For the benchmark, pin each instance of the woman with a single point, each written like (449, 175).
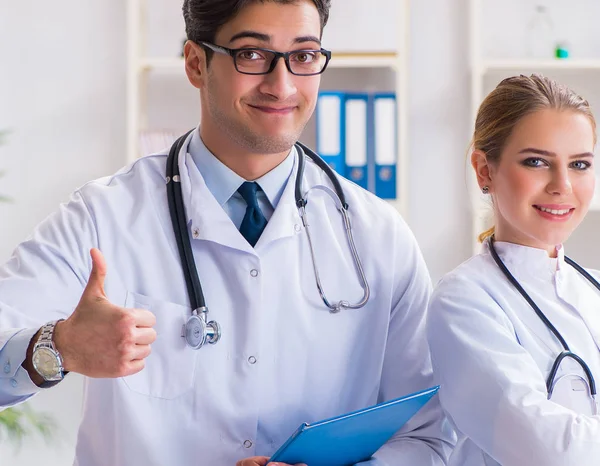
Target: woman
(499, 322)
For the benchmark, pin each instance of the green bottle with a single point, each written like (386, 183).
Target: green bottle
(561, 51)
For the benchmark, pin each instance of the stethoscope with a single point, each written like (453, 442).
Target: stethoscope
(566, 353)
(198, 331)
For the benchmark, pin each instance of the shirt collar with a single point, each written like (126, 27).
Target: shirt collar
(274, 182)
(220, 180)
(223, 182)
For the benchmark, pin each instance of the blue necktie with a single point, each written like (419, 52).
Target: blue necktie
(254, 221)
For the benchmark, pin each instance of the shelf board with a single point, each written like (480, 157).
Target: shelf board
(338, 60)
(363, 60)
(556, 64)
(167, 64)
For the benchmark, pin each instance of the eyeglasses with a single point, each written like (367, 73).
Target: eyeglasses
(263, 61)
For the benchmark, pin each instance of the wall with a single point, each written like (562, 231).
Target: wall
(62, 95)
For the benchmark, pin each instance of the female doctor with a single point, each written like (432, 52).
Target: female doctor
(514, 331)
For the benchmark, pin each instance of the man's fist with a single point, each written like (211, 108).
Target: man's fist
(101, 339)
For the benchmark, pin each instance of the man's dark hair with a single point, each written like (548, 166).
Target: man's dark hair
(203, 18)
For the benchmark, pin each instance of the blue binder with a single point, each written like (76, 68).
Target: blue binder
(357, 138)
(385, 144)
(330, 129)
(353, 437)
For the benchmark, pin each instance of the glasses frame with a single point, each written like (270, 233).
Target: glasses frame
(277, 55)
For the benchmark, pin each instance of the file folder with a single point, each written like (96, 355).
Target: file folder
(385, 141)
(330, 120)
(353, 437)
(356, 137)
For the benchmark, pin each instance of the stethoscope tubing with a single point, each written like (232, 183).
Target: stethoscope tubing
(566, 353)
(197, 333)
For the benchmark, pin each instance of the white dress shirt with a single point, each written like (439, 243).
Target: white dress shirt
(492, 355)
(222, 182)
(283, 357)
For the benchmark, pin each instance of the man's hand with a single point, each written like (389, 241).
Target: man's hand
(101, 339)
(262, 461)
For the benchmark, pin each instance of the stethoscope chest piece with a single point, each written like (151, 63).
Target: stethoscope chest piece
(197, 332)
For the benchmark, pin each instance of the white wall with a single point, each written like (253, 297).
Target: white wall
(439, 127)
(62, 92)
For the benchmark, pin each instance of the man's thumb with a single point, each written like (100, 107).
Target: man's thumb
(95, 286)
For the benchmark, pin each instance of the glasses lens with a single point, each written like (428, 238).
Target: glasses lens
(254, 61)
(307, 62)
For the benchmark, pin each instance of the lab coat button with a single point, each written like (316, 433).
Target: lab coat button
(7, 368)
(252, 360)
(196, 233)
(14, 383)
(247, 444)
(254, 273)
(297, 228)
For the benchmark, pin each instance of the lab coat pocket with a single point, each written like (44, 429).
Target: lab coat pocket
(572, 391)
(169, 370)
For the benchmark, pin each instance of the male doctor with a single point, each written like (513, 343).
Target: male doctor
(108, 264)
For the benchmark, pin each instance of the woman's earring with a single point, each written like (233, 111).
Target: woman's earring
(485, 190)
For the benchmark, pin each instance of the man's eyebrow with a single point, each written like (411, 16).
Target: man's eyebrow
(252, 35)
(267, 38)
(299, 40)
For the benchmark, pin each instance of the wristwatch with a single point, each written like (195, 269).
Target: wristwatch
(46, 360)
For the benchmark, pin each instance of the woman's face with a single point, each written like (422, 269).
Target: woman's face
(543, 184)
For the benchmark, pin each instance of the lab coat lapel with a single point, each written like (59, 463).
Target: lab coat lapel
(579, 293)
(533, 273)
(207, 220)
(285, 220)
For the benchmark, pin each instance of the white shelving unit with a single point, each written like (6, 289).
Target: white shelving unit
(140, 67)
(544, 65)
(482, 68)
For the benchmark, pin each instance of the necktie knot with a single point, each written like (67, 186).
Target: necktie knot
(248, 191)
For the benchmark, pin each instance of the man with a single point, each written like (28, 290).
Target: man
(282, 357)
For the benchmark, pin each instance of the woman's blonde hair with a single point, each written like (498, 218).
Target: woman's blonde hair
(513, 99)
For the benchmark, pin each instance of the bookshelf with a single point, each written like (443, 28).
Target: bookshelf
(581, 73)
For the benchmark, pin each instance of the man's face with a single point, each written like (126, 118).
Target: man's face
(263, 113)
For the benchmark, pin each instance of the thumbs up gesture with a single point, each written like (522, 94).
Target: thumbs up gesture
(101, 339)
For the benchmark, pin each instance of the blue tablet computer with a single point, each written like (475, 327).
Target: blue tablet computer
(353, 437)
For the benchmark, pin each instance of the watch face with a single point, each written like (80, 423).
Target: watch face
(46, 363)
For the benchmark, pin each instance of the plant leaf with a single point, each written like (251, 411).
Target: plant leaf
(3, 198)
(3, 134)
(19, 422)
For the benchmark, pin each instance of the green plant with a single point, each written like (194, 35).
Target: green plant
(20, 422)
(3, 198)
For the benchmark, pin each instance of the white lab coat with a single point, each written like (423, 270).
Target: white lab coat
(492, 355)
(283, 358)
